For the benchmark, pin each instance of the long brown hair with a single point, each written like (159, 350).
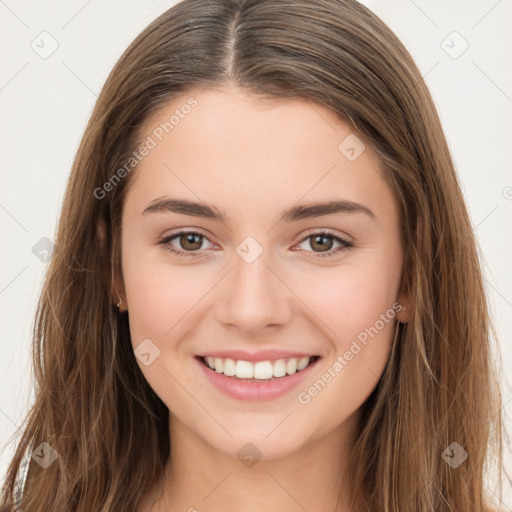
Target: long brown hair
(92, 404)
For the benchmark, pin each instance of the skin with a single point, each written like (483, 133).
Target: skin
(253, 158)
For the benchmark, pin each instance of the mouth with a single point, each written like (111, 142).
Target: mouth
(258, 381)
(258, 372)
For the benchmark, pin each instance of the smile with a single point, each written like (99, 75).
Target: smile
(262, 370)
(260, 380)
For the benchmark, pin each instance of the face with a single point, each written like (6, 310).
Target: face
(252, 272)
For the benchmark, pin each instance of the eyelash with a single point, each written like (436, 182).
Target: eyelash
(165, 241)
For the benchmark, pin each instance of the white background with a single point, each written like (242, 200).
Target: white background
(45, 104)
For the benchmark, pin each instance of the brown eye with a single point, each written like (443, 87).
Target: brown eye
(191, 241)
(322, 243)
(184, 243)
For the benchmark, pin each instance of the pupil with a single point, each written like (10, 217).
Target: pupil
(322, 245)
(189, 239)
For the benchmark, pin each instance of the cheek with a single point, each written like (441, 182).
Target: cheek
(359, 324)
(162, 302)
(160, 297)
(355, 306)
(351, 300)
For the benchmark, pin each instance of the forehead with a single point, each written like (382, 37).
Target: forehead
(227, 115)
(227, 143)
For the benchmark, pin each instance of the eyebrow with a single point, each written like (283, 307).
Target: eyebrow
(186, 207)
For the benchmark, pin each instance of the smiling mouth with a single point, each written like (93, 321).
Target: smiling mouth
(261, 371)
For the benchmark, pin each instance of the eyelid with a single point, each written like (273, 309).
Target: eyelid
(313, 231)
(184, 231)
(329, 232)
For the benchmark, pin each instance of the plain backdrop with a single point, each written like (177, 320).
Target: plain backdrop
(463, 49)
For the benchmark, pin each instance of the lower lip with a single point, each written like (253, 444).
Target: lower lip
(245, 390)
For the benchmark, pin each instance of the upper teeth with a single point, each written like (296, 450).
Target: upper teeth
(259, 370)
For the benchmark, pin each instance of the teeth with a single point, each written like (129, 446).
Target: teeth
(229, 367)
(245, 370)
(261, 370)
(291, 366)
(303, 362)
(279, 368)
(218, 365)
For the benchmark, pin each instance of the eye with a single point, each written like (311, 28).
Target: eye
(191, 241)
(320, 240)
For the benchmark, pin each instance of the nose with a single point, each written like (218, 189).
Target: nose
(254, 297)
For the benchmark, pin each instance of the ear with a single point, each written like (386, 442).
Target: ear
(404, 307)
(101, 233)
(117, 286)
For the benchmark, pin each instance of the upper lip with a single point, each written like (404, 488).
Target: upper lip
(254, 357)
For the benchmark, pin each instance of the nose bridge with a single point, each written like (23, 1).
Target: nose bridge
(253, 279)
(256, 298)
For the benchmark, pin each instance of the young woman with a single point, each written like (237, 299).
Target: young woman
(265, 292)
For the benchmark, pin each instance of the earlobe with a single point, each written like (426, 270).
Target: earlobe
(117, 288)
(118, 293)
(404, 308)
